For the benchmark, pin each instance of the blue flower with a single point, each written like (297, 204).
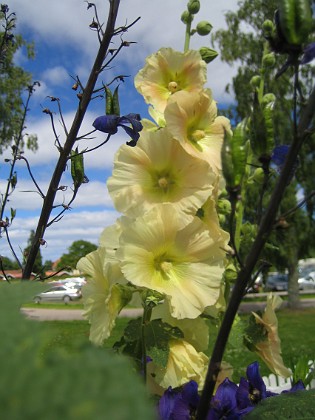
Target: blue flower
(279, 155)
(252, 390)
(179, 405)
(309, 53)
(298, 386)
(224, 403)
(109, 124)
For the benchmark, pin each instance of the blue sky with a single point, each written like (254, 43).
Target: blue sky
(65, 47)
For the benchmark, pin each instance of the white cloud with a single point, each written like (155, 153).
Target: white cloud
(56, 76)
(25, 197)
(74, 226)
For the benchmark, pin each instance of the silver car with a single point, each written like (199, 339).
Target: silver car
(59, 293)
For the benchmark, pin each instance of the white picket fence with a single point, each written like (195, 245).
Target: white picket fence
(278, 384)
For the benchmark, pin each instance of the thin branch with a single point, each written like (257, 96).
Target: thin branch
(20, 157)
(72, 136)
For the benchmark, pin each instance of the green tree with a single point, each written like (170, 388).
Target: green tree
(77, 250)
(14, 81)
(294, 238)
(8, 264)
(38, 265)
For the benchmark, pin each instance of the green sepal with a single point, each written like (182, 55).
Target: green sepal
(13, 214)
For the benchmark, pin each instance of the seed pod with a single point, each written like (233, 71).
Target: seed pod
(109, 101)
(295, 20)
(115, 103)
(77, 168)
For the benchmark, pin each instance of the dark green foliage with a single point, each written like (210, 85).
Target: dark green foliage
(77, 250)
(157, 335)
(292, 238)
(40, 383)
(292, 405)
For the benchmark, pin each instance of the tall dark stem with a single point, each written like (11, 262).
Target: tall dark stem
(72, 137)
(244, 275)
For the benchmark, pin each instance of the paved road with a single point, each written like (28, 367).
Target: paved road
(42, 314)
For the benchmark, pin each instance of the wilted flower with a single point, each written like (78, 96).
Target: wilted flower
(157, 171)
(192, 120)
(167, 72)
(176, 256)
(269, 349)
(103, 299)
(110, 123)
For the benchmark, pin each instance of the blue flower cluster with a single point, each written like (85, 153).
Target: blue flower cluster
(231, 401)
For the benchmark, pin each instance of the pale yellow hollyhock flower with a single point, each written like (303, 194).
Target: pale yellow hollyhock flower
(196, 331)
(168, 71)
(184, 364)
(270, 349)
(208, 214)
(192, 119)
(175, 255)
(157, 171)
(157, 116)
(103, 299)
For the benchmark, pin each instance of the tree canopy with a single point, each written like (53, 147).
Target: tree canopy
(77, 250)
(243, 44)
(14, 81)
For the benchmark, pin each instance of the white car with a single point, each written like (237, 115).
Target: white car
(307, 282)
(59, 293)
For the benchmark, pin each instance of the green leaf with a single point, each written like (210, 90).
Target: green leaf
(157, 336)
(291, 405)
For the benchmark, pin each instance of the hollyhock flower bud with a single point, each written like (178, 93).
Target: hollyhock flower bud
(186, 17)
(269, 60)
(193, 6)
(208, 54)
(204, 28)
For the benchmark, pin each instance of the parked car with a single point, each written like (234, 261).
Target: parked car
(307, 282)
(276, 282)
(59, 293)
(69, 282)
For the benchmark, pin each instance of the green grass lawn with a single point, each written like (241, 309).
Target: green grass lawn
(296, 330)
